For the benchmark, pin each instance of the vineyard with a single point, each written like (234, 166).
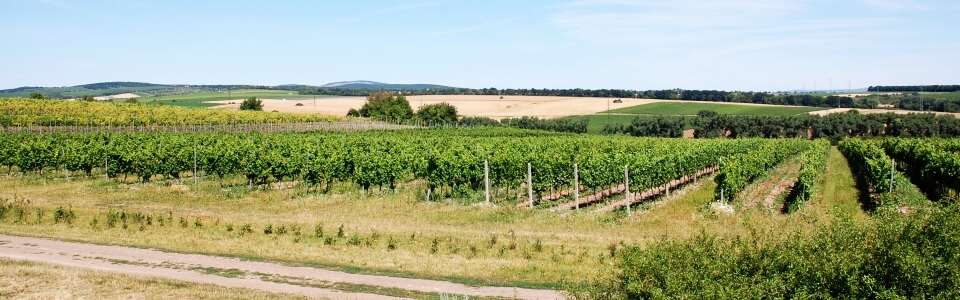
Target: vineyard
(450, 162)
(24, 112)
(933, 165)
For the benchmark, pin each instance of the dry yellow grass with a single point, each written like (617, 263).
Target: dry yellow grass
(474, 243)
(28, 280)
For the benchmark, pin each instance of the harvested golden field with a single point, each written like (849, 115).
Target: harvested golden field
(475, 105)
(467, 105)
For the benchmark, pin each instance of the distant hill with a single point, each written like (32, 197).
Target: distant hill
(373, 85)
(143, 88)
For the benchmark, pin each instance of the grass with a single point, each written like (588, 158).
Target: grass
(624, 116)
(200, 98)
(692, 108)
(29, 280)
(392, 233)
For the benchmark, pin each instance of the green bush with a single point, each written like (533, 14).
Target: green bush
(437, 114)
(894, 256)
(251, 103)
(387, 107)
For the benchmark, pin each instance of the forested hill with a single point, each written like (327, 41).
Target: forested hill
(353, 88)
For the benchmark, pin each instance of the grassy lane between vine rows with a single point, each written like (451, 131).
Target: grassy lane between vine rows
(906, 248)
(29, 280)
(390, 233)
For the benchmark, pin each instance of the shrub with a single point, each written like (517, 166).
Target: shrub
(437, 114)
(62, 215)
(268, 229)
(899, 256)
(245, 229)
(353, 113)
(318, 231)
(354, 240)
(387, 106)
(252, 103)
(477, 121)
(391, 244)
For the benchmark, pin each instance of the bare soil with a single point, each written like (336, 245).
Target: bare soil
(232, 272)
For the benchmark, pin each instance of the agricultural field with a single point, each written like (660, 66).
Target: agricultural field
(205, 98)
(479, 212)
(490, 207)
(24, 112)
(624, 116)
(692, 108)
(491, 106)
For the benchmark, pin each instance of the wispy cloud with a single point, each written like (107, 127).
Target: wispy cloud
(725, 26)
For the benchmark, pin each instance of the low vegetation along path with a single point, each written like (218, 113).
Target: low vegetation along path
(232, 272)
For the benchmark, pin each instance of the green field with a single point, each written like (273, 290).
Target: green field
(623, 116)
(690, 109)
(199, 98)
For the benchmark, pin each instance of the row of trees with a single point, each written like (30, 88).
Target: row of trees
(699, 95)
(835, 126)
(676, 94)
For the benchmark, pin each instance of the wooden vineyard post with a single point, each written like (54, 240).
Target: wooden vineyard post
(530, 184)
(106, 172)
(626, 185)
(720, 165)
(486, 180)
(576, 186)
(195, 165)
(893, 168)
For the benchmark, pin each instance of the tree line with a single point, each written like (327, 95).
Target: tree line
(674, 94)
(915, 88)
(709, 124)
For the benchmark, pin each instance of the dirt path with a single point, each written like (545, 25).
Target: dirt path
(232, 272)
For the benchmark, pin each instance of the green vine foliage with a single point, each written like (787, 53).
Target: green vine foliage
(452, 159)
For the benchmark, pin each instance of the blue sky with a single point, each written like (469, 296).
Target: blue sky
(641, 44)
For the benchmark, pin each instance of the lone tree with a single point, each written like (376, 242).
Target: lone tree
(37, 96)
(387, 106)
(437, 114)
(251, 103)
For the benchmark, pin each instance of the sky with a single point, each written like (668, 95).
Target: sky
(762, 45)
